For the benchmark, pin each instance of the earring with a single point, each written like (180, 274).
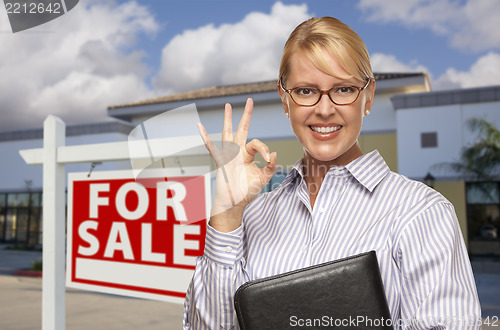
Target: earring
(367, 112)
(287, 115)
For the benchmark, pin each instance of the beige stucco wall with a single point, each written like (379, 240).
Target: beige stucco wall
(386, 144)
(454, 191)
(288, 151)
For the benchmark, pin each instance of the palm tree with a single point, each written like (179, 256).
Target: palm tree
(480, 161)
(479, 166)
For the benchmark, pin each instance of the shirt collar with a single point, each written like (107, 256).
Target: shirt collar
(369, 170)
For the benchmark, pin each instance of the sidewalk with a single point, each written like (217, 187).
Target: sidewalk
(487, 275)
(21, 309)
(20, 301)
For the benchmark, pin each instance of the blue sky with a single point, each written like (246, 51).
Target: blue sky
(409, 44)
(106, 52)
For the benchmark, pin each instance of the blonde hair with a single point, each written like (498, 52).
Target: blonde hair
(329, 33)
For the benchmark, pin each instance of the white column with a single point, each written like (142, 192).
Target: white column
(53, 289)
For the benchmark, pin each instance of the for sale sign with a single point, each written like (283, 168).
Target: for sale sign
(136, 237)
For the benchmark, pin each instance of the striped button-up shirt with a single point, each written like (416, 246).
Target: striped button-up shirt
(360, 207)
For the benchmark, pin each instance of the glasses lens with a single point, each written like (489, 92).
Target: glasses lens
(344, 95)
(305, 95)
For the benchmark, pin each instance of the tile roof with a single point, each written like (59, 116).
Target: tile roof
(71, 130)
(238, 89)
(446, 97)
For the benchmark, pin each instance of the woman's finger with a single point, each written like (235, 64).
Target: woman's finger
(256, 146)
(242, 132)
(220, 156)
(204, 136)
(227, 128)
(271, 167)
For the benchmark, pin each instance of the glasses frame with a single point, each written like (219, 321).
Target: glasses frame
(324, 92)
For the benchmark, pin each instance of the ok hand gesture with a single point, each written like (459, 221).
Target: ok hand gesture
(239, 179)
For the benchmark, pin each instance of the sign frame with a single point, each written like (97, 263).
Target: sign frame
(182, 276)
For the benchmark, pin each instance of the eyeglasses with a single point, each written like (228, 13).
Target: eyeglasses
(309, 96)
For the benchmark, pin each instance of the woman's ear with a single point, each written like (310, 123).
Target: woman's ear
(369, 97)
(283, 100)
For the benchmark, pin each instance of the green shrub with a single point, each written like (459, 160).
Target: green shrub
(37, 265)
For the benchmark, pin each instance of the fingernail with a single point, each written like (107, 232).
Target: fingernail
(268, 158)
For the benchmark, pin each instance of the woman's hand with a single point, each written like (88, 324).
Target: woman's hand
(239, 179)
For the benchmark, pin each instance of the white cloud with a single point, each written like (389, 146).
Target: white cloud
(389, 63)
(74, 66)
(471, 25)
(484, 72)
(83, 97)
(246, 51)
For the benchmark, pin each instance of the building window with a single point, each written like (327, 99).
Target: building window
(429, 140)
(3, 210)
(483, 217)
(20, 218)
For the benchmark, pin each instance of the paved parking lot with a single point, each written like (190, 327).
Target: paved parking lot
(21, 308)
(21, 303)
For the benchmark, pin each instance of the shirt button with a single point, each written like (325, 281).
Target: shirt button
(321, 210)
(304, 248)
(228, 249)
(336, 172)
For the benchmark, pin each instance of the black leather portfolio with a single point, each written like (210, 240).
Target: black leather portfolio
(342, 294)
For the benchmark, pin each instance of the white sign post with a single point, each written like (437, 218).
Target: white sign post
(53, 292)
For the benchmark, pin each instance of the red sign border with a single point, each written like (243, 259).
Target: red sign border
(117, 288)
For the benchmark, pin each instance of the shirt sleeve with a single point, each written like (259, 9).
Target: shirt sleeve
(219, 272)
(438, 290)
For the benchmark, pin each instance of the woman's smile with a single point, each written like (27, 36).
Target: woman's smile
(324, 132)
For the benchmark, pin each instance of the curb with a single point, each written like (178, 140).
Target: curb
(27, 273)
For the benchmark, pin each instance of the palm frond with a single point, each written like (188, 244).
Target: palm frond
(481, 160)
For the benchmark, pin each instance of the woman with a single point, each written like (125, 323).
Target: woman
(335, 202)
